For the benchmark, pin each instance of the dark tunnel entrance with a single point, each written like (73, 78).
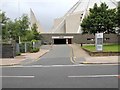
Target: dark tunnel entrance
(59, 41)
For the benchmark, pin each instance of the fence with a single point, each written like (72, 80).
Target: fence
(9, 49)
(27, 46)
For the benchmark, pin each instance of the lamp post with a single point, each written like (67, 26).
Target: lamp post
(1, 24)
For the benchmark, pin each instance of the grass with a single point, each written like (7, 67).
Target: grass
(106, 48)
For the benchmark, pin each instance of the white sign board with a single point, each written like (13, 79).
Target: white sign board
(99, 41)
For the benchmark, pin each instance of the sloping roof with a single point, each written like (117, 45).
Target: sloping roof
(83, 6)
(86, 4)
(33, 20)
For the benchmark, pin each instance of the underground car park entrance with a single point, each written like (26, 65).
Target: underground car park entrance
(62, 39)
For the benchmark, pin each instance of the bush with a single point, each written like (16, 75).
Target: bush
(22, 48)
(34, 50)
(18, 54)
(29, 47)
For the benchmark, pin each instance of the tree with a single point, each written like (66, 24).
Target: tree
(13, 29)
(29, 35)
(118, 14)
(3, 18)
(23, 24)
(3, 21)
(22, 27)
(100, 19)
(118, 17)
(35, 33)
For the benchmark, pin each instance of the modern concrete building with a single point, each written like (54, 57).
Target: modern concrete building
(69, 25)
(70, 22)
(33, 20)
(67, 29)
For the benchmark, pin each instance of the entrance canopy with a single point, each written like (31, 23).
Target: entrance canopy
(62, 37)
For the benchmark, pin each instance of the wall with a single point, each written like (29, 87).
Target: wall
(8, 51)
(70, 25)
(73, 23)
(79, 38)
(62, 28)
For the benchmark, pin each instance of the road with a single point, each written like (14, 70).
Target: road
(59, 55)
(55, 70)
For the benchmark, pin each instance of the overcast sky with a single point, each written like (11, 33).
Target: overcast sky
(45, 10)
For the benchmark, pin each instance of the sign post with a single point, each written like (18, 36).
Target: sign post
(99, 41)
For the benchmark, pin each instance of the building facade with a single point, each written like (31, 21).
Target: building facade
(71, 21)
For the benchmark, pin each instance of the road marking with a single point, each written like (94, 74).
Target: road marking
(35, 66)
(93, 76)
(75, 65)
(71, 59)
(17, 76)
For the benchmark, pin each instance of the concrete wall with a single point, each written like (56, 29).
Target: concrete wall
(73, 23)
(79, 38)
(62, 28)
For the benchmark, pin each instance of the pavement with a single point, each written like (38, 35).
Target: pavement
(79, 56)
(25, 58)
(82, 57)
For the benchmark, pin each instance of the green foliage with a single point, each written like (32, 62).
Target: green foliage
(24, 23)
(34, 40)
(34, 50)
(35, 33)
(18, 54)
(28, 36)
(29, 47)
(3, 20)
(118, 16)
(100, 19)
(18, 28)
(22, 48)
(106, 48)
(13, 30)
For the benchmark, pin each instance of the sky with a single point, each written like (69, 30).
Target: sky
(45, 10)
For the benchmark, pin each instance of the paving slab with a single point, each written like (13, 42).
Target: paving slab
(102, 60)
(82, 57)
(23, 59)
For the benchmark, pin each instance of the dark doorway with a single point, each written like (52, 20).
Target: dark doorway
(69, 41)
(59, 41)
